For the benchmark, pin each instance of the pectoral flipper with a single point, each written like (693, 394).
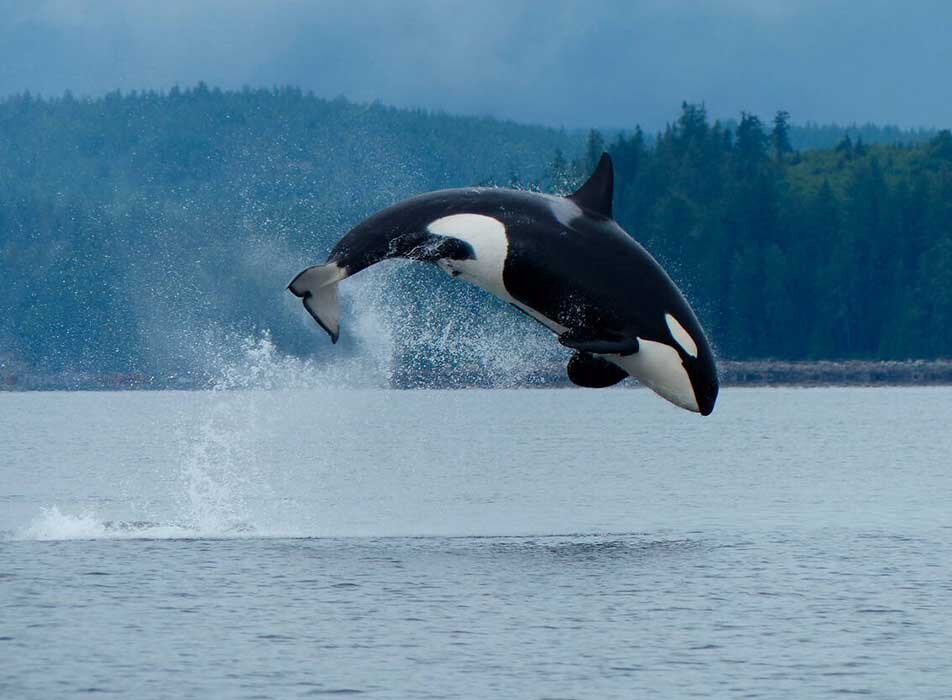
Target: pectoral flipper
(585, 369)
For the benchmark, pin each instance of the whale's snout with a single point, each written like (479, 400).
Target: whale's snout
(704, 383)
(706, 396)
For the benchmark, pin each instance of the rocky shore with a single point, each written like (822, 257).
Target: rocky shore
(835, 373)
(732, 373)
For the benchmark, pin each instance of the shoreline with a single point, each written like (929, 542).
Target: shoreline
(835, 373)
(733, 373)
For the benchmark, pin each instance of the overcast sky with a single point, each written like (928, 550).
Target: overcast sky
(615, 63)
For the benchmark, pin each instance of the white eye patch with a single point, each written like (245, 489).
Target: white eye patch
(681, 336)
(487, 237)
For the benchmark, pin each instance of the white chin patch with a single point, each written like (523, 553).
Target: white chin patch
(658, 366)
(682, 337)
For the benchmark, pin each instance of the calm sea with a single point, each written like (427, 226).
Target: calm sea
(477, 544)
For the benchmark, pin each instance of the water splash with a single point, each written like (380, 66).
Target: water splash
(225, 484)
(54, 525)
(430, 331)
(402, 330)
(214, 480)
(51, 524)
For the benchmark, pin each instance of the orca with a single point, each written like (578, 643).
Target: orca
(563, 261)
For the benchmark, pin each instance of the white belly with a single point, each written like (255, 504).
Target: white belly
(658, 366)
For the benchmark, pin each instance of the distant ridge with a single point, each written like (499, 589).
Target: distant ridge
(141, 234)
(811, 135)
(803, 136)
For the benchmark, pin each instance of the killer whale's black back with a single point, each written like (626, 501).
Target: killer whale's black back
(565, 261)
(577, 269)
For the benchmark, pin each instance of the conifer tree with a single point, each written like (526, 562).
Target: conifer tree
(780, 135)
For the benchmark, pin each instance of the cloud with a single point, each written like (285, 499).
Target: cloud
(563, 62)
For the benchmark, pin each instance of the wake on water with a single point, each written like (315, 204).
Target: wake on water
(219, 466)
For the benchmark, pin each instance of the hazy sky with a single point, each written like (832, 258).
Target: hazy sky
(610, 64)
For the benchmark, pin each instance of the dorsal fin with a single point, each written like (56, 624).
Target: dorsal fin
(596, 194)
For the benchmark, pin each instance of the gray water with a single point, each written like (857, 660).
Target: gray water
(523, 543)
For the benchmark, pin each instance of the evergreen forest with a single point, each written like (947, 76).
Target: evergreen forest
(133, 223)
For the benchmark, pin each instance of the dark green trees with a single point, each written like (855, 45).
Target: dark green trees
(840, 253)
(132, 225)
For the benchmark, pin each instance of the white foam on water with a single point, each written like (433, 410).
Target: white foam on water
(225, 485)
(54, 525)
(51, 524)
(217, 456)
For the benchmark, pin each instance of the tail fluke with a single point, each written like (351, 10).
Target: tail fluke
(317, 288)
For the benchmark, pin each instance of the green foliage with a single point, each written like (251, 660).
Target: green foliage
(810, 136)
(780, 136)
(836, 253)
(133, 223)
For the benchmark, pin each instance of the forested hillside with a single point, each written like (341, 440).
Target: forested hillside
(132, 224)
(837, 253)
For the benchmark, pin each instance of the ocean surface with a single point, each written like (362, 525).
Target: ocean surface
(476, 544)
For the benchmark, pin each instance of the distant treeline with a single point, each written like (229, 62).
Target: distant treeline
(134, 223)
(833, 253)
(810, 135)
(134, 226)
